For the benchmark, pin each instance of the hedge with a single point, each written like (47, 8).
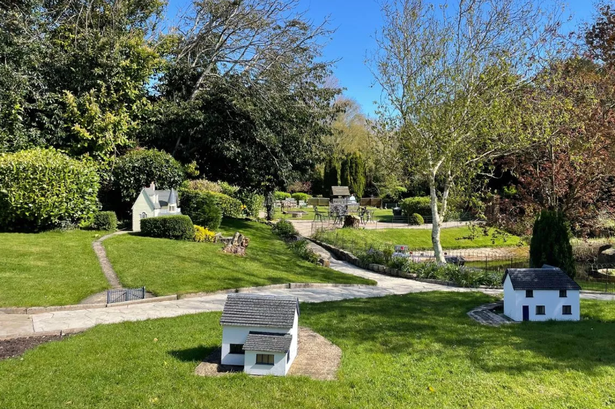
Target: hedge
(419, 205)
(300, 197)
(44, 189)
(177, 227)
(281, 195)
(229, 206)
(202, 208)
(105, 221)
(416, 219)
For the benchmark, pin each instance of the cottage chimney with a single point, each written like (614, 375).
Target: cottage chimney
(152, 186)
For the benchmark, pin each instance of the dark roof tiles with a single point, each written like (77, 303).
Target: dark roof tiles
(259, 311)
(546, 278)
(267, 342)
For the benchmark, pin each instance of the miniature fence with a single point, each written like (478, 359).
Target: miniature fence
(125, 294)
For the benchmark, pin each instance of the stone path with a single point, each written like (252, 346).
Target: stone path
(105, 264)
(484, 315)
(306, 227)
(15, 325)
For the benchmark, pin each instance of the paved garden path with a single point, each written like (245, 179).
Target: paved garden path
(307, 227)
(14, 325)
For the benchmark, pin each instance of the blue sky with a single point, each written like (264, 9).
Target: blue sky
(356, 22)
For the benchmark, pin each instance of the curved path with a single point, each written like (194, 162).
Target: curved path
(16, 325)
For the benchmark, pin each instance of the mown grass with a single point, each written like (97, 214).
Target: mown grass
(416, 239)
(381, 215)
(170, 267)
(412, 351)
(51, 268)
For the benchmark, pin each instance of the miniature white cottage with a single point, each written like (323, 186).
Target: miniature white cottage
(259, 332)
(540, 294)
(152, 203)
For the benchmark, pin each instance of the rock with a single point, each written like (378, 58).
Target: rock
(234, 245)
(607, 256)
(352, 221)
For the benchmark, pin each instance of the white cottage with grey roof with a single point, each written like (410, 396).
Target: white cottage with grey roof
(259, 332)
(152, 203)
(540, 294)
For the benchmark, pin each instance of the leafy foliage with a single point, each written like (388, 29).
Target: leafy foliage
(43, 189)
(419, 205)
(229, 206)
(352, 174)
(105, 221)
(416, 219)
(202, 234)
(551, 242)
(281, 195)
(178, 227)
(201, 207)
(138, 168)
(300, 197)
(284, 229)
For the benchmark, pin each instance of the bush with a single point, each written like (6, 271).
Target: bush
(284, 229)
(44, 189)
(252, 201)
(105, 221)
(416, 219)
(300, 248)
(203, 185)
(281, 195)
(229, 206)
(178, 227)
(202, 234)
(419, 205)
(300, 197)
(138, 168)
(201, 207)
(551, 242)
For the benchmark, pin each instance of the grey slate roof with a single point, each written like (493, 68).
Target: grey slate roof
(259, 310)
(267, 342)
(545, 278)
(340, 191)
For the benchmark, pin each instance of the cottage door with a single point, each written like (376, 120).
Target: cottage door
(526, 313)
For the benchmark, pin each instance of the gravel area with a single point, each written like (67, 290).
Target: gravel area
(317, 358)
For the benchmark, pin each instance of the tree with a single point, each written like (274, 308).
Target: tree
(551, 242)
(331, 175)
(453, 77)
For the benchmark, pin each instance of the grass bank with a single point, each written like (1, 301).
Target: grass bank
(414, 351)
(51, 268)
(171, 267)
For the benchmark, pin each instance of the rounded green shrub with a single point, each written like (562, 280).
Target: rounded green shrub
(105, 221)
(177, 227)
(281, 195)
(43, 189)
(419, 205)
(201, 207)
(253, 201)
(284, 229)
(138, 168)
(416, 219)
(550, 242)
(229, 206)
(300, 197)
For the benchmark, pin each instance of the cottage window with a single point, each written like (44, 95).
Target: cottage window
(264, 359)
(237, 349)
(540, 310)
(143, 215)
(563, 294)
(171, 208)
(566, 309)
(529, 293)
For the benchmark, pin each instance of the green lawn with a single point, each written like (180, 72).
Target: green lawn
(381, 215)
(52, 268)
(413, 351)
(170, 267)
(417, 239)
(596, 286)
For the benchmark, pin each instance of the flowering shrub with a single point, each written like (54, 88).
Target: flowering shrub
(202, 234)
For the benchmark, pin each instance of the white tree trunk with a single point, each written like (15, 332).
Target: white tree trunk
(436, 222)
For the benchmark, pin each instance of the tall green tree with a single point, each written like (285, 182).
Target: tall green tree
(551, 242)
(453, 77)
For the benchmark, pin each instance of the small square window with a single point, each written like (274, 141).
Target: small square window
(567, 309)
(529, 293)
(264, 359)
(540, 310)
(237, 349)
(563, 293)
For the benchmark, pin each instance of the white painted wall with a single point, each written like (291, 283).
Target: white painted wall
(139, 207)
(279, 368)
(238, 335)
(515, 300)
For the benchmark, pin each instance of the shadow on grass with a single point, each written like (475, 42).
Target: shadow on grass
(433, 324)
(196, 354)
